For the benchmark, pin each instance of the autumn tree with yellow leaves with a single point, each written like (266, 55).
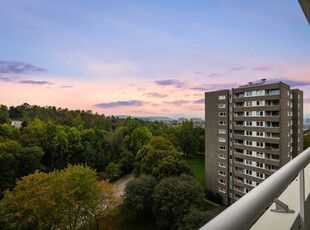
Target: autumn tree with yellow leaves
(68, 199)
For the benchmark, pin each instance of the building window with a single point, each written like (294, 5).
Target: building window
(222, 156)
(248, 114)
(222, 131)
(222, 97)
(222, 165)
(260, 175)
(222, 114)
(221, 181)
(260, 93)
(223, 190)
(222, 173)
(248, 142)
(222, 122)
(222, 139)
(222, 148)
(222, 106)
(248, 94)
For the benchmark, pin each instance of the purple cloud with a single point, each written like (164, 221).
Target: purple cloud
(6, 79)
(66, 86)
(174, 83)
(214, 74)
(199, 73)
(262, 68)
(32, 82)
(214, 87)
(199, 88)
(292, 83)
(237, 68)
(19, 68)
(119, 104)
(157, 95)
(178, 102)
(200, 101)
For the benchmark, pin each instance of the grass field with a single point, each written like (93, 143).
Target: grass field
(197, 165)
(206, 206)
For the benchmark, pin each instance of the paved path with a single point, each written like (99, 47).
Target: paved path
(122, 183)
(214, 212)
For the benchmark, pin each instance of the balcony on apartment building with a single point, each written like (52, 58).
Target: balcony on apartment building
(282, 201)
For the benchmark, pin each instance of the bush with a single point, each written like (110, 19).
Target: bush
(193, 220)
(138, 198)
(173, 199)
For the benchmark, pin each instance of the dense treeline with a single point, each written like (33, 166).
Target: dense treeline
(52, 138)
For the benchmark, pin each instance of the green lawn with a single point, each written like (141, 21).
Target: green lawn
(197, 165)
(205, 206)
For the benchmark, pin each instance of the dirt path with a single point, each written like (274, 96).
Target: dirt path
(122, 183)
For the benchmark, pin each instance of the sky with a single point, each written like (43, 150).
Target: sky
(147, 58)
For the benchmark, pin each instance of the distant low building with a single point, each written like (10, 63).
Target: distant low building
(182, 119)
(16, 124)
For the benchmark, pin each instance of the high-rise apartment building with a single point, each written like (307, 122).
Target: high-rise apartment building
(251, 132)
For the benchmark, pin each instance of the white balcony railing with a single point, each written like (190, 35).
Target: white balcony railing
(253, 210)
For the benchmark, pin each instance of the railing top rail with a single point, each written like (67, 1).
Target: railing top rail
(244, 212)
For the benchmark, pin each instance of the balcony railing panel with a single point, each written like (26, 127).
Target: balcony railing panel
(248, 210)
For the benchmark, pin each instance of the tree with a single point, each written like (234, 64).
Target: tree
(307, 141)
(160, 159)
(112, 171)
(173, 199)
(4, 115)
(106, 202)
(193, 220)
(127, 161)
(138, 198)
(29, 160)
(66, 199)
(10, 132)
(9, 154)
(189, 141)
(139, 137)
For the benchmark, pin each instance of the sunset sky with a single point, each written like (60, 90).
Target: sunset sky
(147, 58)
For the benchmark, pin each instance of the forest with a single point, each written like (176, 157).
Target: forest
(54, 145)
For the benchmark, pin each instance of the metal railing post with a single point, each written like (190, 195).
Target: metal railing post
(302, 199)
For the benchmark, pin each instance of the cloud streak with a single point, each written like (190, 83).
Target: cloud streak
(214, 87)
(66, 86)
(32, 82)
(119, 104)
(9, 67)
(237, 68)
(292, 83)
(170, 82)
(177, 102)
(200, 101)
(155, 95)
(262, 68)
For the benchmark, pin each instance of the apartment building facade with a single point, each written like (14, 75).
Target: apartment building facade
(251, 132)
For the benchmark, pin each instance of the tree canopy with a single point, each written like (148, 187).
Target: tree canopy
(66, 199)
